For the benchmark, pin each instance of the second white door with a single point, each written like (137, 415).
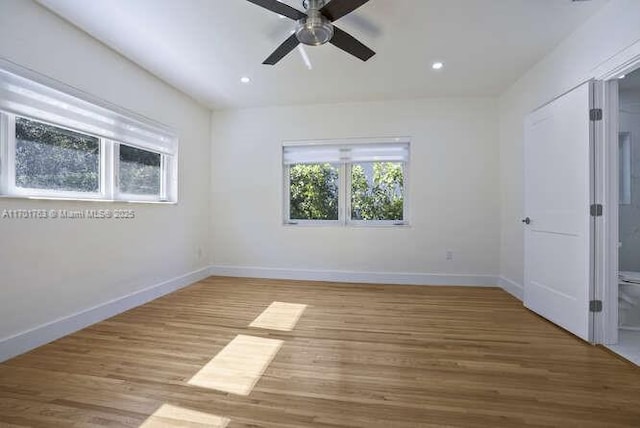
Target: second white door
(558, 171)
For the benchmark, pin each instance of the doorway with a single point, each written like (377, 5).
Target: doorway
(623, 285)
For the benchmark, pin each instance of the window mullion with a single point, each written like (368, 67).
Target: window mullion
(172, 177)
(107, 170)
(4, 153)
(405, 193)
(10, 150)
(341, 193)
(287, 192)
(165, 179)
(347, 193)
(116, 171)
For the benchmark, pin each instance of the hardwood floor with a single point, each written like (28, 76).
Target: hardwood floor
(359, 355)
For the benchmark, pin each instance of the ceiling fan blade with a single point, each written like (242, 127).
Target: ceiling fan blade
(279, 8)
(350, 44)
(336, 9)
(282, 50)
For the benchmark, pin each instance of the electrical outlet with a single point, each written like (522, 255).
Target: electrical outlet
(449, 255)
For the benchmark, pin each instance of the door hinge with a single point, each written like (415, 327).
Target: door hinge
(595, 114)
(596, 210)
(595, 306)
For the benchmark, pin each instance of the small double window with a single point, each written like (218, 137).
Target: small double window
(346, 182)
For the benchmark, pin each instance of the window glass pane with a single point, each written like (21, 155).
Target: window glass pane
(139, 171)
(313, 192)
(48, 157)
(377, 191)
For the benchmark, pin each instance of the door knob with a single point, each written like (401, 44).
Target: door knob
(526, 220)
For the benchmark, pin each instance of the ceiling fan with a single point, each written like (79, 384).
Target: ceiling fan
(315, 27)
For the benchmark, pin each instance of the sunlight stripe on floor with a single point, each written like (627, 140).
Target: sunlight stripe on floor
(279, 316)
(238, 366)
(168, 416)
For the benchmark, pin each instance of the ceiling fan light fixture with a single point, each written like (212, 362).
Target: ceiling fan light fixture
(314, 30)
(315, 27)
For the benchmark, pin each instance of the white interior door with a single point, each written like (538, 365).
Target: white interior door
(558, 174)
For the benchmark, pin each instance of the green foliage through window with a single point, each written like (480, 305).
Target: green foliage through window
(48, 157)
(313, 190)
(377, 191)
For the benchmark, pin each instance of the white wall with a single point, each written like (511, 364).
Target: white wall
(52, 269)
(629, 254)
(606, 40)
(453, 190)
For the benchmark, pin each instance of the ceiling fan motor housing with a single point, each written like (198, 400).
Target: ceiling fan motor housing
(315, 29)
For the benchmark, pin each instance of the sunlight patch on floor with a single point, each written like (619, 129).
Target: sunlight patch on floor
(238, 366)
(279, 316)
(168, 416)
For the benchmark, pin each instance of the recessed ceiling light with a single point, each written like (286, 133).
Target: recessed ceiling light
(245, 79)
(622, 76)
(437, 65)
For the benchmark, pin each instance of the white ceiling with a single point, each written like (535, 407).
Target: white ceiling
(203, 47)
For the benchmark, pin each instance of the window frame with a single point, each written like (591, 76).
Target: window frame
(25, 93)
(109, 172)
(344, 186)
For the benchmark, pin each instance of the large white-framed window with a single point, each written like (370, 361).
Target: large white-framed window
(56, 142)
(358, 182)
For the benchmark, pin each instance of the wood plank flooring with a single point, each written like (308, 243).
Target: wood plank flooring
(359, 356)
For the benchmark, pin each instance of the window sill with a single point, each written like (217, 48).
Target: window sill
(70, 199)
(307, 223)
(354, 225)
(385, 224)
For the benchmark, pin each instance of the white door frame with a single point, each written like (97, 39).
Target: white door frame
(606, 236)
(598, 144)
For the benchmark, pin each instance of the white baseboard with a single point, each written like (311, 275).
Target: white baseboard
(511, 287)
(38, 336)
(357, 277)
